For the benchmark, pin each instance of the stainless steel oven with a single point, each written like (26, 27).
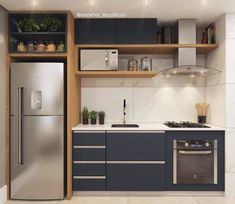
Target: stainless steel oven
(195, 162)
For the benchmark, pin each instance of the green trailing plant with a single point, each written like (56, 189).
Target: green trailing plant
(29, 25)
(50, 24)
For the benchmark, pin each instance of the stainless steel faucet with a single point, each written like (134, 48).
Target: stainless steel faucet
(124, 111)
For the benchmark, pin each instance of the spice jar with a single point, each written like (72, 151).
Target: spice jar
(30, 46)
(51, 47)
(21, 47)
(133, 64)
(60, 46)
(40, 47)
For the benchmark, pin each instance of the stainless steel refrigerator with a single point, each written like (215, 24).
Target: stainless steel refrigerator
(37, 131)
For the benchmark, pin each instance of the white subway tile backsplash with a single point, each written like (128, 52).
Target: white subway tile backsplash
(106, 82)
(229, 184)
(160, 104)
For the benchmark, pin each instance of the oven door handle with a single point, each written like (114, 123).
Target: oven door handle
(195, 152)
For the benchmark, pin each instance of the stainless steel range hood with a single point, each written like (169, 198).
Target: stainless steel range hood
(185, 58)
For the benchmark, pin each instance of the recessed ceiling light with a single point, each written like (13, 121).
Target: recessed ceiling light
(204, 2)
(92, 2)
(34, 2)
(145, 2)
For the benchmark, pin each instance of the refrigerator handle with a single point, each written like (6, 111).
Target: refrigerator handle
(19, 124)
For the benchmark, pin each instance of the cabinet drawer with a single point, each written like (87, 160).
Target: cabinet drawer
(88, 154)
(88, 169)
(135, 177)
(129, 146)
(88, 138)
(88, 184)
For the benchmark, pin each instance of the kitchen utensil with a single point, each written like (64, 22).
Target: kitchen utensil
(202, 111)
(146, 64)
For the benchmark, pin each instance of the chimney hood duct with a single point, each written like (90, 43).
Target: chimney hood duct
(185, 58)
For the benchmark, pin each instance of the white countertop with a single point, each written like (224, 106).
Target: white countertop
(143, 127)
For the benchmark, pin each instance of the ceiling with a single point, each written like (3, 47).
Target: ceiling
(205, 11)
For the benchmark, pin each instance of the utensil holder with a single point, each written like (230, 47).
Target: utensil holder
(201, 119)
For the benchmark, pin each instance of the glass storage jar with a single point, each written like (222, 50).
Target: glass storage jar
(51, 47)
(21, 47)
(146, 64)
(40, 47)
(60, 46)
(30, 46)
(132, 64)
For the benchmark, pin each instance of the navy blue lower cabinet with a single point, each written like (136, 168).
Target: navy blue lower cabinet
(88, 154)
(135, 177)
(195, 170)
(136, 146)
(88, 169)
(89, 184)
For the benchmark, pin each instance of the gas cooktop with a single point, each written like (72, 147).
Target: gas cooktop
(184, 124)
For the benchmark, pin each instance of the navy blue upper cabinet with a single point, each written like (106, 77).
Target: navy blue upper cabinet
(94, 31)
(136, 30)
(115, 31)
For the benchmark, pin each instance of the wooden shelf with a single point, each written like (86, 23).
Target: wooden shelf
(151, 48)
(38, 55)
(126, 74)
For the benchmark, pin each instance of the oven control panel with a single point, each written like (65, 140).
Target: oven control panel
(195, 144)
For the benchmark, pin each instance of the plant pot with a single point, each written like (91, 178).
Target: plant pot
(101, 121)
(84, 121)
(93, 121)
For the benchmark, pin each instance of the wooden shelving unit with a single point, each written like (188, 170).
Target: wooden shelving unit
(38, 55)
(122, 74)
(150, 48)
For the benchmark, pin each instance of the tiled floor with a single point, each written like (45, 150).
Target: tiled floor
(138, 200)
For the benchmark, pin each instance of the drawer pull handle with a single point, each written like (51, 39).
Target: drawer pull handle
(89, 177)
(135, 162)
(89, 162)
(89, 147)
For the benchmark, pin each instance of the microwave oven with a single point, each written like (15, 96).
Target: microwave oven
(98, 59)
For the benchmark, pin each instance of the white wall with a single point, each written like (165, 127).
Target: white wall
(3, 20)
(148, 100)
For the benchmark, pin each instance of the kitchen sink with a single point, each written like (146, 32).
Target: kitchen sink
(125, 125)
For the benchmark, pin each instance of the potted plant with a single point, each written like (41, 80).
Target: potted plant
(101, 115)
(50, 24)
(28, 25)
(93, 116)
(85, 115)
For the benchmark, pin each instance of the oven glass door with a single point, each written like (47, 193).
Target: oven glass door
(195, 167)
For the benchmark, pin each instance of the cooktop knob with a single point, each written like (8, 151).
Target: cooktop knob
(207, 144)
(186, 144)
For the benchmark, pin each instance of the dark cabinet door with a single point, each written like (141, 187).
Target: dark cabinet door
(135, 177)
(135, 146)
(136, 30)
(94, 31)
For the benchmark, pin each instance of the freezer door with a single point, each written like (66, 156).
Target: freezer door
(37, 167)
(40, 86)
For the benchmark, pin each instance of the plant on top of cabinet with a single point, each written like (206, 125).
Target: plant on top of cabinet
(101, 115)
(38, 27)
(85, 115)
(93, 116)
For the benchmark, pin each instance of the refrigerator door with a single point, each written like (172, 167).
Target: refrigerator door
(37, 158)
(41, 87)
